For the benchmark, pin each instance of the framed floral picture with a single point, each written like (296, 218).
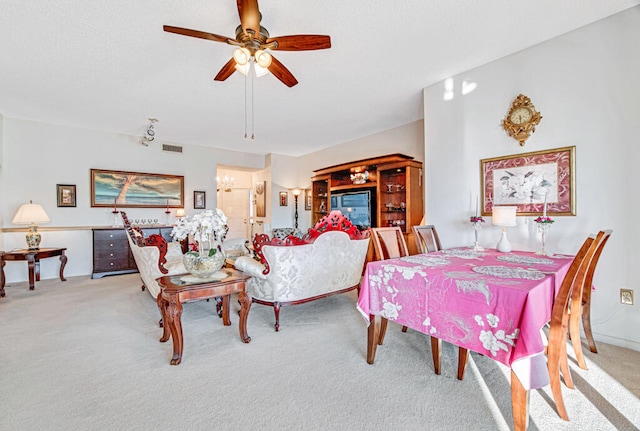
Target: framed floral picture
(284, 199)
(199, 200)
(529, 180)
(66, 195)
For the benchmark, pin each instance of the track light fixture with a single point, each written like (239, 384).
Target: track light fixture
(149, 134)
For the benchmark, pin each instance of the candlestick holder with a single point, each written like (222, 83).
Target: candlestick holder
(167, 214)
(116, 218)
(476, 222)
(544, 224)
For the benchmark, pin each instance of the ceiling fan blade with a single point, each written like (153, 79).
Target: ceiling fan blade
(196, 33)
(301, 42)
(282, 73)
(226, 71)
(249, 15)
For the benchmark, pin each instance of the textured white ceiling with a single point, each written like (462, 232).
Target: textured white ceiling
(108, 65)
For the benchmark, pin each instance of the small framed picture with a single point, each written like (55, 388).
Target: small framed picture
(284, 199)
(66, 195)
(307, 199)
(199, 200)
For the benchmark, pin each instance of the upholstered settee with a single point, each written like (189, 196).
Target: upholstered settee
(154, 256)
(327, 260)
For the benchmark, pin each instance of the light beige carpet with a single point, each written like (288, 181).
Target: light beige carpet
(84, 355)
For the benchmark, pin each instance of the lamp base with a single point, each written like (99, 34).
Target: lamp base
(504, 245)
(33, 238)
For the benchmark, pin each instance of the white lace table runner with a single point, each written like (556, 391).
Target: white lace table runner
(508, 272)
(514, 258)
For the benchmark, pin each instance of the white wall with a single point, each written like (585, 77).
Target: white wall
(37, 156)
(584, 85)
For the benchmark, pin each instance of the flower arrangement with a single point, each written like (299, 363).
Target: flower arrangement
(543, 220)
(209, 228)
(476, 219)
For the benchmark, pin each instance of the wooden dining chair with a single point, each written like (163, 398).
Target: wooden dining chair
(428, 241)
(426, 238)
(556, 350)
(389, 243)
(557, 362)
(581, 305)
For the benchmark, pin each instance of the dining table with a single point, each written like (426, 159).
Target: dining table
(486, 301)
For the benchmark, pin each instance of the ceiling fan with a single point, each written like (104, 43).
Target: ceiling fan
(253, 40)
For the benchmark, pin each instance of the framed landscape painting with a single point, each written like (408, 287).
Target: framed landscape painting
(527, 180)
(136, 190)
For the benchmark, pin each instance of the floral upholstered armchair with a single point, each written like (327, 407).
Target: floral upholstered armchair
(154, 256)
(328, 260)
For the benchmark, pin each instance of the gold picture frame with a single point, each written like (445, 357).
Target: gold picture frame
(525, 180)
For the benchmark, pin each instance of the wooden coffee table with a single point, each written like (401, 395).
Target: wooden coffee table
(178, 289)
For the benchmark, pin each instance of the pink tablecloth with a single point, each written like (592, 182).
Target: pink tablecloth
(488, 302)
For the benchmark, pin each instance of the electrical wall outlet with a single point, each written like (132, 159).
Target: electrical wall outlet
(626, 296)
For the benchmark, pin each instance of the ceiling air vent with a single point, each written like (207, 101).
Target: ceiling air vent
(172, 148)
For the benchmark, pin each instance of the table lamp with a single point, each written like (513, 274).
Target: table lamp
(504, 216)
(180, 212)
(31, 214)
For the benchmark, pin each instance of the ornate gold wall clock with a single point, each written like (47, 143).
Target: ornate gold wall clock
(522, 119)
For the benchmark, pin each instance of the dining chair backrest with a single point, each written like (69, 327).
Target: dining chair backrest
(388, 243)
(426, 238)
(556, 350)
(581, 304)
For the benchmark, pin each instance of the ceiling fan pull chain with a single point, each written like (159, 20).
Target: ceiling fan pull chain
(253, 120)
(245, 106)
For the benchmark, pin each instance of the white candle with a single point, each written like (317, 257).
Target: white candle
(477, 205)
(544, 208)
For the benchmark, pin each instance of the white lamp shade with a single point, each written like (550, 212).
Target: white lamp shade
(30, 213)
(180, 212)
(241, 56)
(504, 216)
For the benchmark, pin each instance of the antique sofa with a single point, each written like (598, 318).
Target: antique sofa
(154, 256)
(327, 260)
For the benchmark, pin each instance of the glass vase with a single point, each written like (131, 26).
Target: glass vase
(203, 266)
(476, 228)
(543, 228)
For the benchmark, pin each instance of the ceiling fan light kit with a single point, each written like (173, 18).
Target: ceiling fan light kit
(253, 40)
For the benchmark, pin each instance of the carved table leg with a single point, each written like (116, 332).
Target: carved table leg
(2, 264)
(31, 263)
(372, 339)
(519, 404)
(174, 313)
(245, 305)
(162, 306)
(225, 310)
(63, 263)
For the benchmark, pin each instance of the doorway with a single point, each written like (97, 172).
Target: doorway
(236, 205)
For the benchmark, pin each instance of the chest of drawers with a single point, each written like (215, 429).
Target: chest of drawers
(111, 252)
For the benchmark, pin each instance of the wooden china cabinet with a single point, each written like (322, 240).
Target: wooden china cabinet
(395, 182)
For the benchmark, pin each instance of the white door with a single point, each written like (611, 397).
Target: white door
(235, 205)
